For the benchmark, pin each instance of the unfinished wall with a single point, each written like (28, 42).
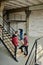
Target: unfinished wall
(17, 16)
(36, 23)
(20, 16)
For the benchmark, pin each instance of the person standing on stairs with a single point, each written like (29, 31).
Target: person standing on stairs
(15, 42)
(25, 45)
(21, 34)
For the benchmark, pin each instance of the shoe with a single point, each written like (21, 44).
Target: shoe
(25, 54)
(21, 52)
(16, 59)
(19, 47)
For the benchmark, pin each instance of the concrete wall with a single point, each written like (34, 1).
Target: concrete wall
(18, 16)
(36, 23)
(19, 25)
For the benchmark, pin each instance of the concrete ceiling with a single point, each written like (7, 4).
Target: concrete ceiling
(10, 4)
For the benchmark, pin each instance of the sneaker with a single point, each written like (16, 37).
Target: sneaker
(16, 59)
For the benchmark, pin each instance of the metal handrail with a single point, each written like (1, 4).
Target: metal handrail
(30, 53)
(6, 22)
(34, 45)
(8, 50)
(10, 26)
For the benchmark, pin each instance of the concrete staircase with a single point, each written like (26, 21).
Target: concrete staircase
(40, 55)
(39, 52)
(8, 44)
(10, 47)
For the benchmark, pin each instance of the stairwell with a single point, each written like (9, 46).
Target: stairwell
(7, 42)
(20, 56)
(10, 47)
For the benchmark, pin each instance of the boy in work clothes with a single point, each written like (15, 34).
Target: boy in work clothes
(15, 42)
(25, 45)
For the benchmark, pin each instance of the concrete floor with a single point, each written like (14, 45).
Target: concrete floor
(6, 59)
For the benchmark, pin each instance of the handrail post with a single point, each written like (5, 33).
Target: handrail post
(3, 28)
(35, 50)
(2, 34)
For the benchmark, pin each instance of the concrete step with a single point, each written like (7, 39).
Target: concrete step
(40, 54)
(7, 35)
(11, 47)
(39, 48)
(5, 32)
(9, 42)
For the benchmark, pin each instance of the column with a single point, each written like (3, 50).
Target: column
(28, 12)
(1, 16)
(1, 13)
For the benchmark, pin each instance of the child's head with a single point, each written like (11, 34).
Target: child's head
(16, 32)
(25, 34)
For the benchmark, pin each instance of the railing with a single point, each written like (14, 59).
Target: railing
(11, 29)
(31, 60)
(8, 50)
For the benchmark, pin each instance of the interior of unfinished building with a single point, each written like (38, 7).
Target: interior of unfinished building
(25, 15)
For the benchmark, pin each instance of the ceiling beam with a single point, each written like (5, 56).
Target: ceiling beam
(13, 3)
(18, 9)
(2, 0)
(17, 3)
(37, 7)
(34, 2)
(21, 2)
(8, 7)
(41, 1)
(11, 6)
(24, 2)
(30, 2)
(7, 4)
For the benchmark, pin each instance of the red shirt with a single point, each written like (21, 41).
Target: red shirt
(15, 41)
(25, 41)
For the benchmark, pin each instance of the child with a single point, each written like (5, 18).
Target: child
(25, 45)
(15, 42)
(21, 34)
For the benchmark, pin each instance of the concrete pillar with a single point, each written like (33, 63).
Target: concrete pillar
(1, 17)
(1, 13)
(28, 12)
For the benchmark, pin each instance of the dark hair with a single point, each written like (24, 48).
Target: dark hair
(13, 35)
(25, 34)
(16, 32)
